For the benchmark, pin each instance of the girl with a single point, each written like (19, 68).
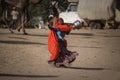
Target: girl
(60, 55)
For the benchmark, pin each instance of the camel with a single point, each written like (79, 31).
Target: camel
(22, 6)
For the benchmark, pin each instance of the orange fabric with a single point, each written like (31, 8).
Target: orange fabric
(62, 27)
(53, 44)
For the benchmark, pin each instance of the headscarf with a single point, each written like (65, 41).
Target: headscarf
(58, 19)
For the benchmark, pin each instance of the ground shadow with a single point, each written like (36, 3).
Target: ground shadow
(87, 37)
(82, 68)
(32, 76)
(18, 38)
(38, 35)
(85, 46)
(82, 34)
(4, 33)
(21, 42)
(110, 36)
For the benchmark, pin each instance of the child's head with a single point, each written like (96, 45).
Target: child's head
(60, 21)
(14, 8)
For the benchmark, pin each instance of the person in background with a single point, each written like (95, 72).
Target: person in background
(54, 10)
(57, 44)
(14, 15)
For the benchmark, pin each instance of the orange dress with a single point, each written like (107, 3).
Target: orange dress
(53, 43)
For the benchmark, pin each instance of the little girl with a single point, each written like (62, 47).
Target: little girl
(57, 45)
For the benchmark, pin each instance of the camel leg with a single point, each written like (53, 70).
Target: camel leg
(22, 26)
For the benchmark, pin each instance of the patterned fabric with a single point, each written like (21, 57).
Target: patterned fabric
(65, 57)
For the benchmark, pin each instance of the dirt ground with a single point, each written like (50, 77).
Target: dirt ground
(24, 57)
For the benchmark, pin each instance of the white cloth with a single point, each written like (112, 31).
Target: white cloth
(41, 25)
(14, 15)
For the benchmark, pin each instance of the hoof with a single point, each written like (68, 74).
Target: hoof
(18, 30)
(25, 33)
(11, 32)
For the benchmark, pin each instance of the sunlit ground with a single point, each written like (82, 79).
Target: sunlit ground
(24, 57)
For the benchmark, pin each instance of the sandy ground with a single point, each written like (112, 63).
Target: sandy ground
(24, 57)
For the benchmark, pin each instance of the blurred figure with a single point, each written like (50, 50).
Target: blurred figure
(54, 10)
(14, 15)
(41, 25)
(57, 44)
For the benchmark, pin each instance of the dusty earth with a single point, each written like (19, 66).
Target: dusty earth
(24, 57)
